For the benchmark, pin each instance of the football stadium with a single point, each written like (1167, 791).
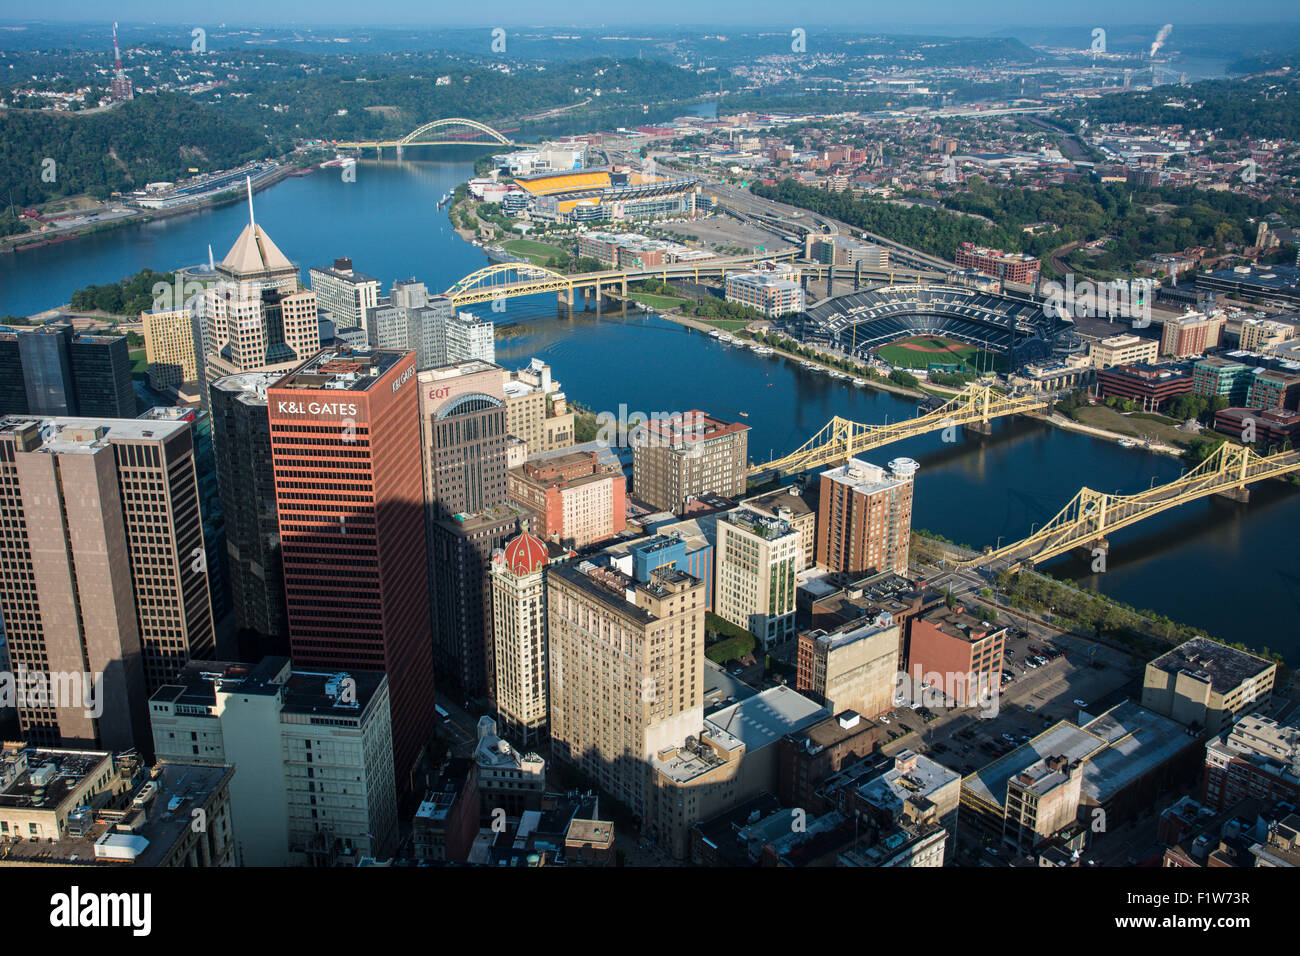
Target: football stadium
(940, 327)
(597, 193)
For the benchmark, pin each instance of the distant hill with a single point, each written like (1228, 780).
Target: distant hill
(150, 138)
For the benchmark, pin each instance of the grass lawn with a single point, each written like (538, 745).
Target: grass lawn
(926, 353)
(727, 325)
(538, 253)
(139, 367)
(734, 642)
(1099, 416)
(729, 648)
(657, 301)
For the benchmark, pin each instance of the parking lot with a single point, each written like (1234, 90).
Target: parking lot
(1037, 696)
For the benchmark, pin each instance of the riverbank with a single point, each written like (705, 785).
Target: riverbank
(137, 217)
(878, 384)
(1069, 424)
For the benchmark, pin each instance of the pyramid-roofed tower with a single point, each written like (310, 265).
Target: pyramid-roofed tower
(255, 254)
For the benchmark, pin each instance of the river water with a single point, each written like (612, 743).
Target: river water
(1226, 567)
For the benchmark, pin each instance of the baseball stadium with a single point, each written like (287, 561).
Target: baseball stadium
(937, 328)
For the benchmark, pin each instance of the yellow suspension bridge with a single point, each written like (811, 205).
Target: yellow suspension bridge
(1091, 515)
(841, 439)
(506, 280)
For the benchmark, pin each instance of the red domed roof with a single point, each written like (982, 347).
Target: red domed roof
(526, 553)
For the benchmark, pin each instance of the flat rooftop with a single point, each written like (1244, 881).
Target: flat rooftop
(58, 773)
(147, 835)
(908, 778)
(763, 525)
(1224, 667)
(868, 479)
(767, 717)
(959, 624)
(1137, 740)
(346, 369)
(1116, 748)
(851, 633)
(351, 275)
(304, 691)
(831, 731)
(63, 435)
(251, 386)
(1060, 740)
(784, 499)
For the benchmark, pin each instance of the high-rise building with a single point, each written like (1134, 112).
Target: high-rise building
(47, 369)
(345, 444)
(537, 411)
(1192, 334)
(680, 457)
(169, 347)
(210, 507)
(246, 478)
(314, 754)
(103, 568)
(519, 634)
(13, 390)
(460, 556)
(410, 318)
(468, 514)
(257, 314)
(463, 420)
(101, 376)
(344, 293)
(54, 370)
(626, 672)
(578, 498)
(757, 559)
(864, 517)
(795, 504)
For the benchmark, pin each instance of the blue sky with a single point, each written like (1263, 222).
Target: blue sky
(977, 17)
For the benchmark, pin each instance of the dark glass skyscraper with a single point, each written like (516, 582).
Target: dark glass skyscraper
(241, 433)
(53, 370)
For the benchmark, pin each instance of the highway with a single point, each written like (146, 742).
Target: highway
(802, 221)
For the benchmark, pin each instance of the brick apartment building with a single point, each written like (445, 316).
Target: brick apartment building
(578, 499)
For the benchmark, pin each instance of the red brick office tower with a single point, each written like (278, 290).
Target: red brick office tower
(345, 443)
